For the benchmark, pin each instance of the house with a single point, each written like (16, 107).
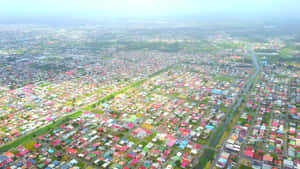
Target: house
(288, 164)
(3, 160)
(65, 166)
(256, 165)
(73, 162)
(249, 152)
(222, 161)
(267, 158)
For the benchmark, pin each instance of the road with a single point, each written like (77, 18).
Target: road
(228, 120)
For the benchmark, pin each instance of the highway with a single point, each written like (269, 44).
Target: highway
(228, 120)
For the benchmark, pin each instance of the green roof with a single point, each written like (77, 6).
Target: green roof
(92, 155)
(176, 158)
(41, 165)
(118, 166)
(145, 149)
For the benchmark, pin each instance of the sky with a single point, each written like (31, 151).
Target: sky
(98, 9)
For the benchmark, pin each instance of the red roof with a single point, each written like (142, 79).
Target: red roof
(70, 150)
(249, 152)
(268, 157)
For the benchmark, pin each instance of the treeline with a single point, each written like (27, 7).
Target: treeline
(157, 46)
(189, 47)
(266, 50)
(290, 59)
(101, 44)
(135, 45)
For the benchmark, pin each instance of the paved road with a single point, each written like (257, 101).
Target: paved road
(228, 120)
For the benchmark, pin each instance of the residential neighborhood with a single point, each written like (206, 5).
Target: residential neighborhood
(92, 97)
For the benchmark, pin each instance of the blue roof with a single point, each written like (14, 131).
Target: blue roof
(264, 62)
(209, 127)
(132, 153)
(32, 161)
(55, 162)
(222, 160)
(240, 139)
(217, 91)
(280, 132)
(183, 144)
(296, 117)
(3, 158)
(65, 166)
(19, 164)
(105, 104)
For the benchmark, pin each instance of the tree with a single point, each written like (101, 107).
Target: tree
(30, 146)
(244, 167)
(65, 158)
(178, 163)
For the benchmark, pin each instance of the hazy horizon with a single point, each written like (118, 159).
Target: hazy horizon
(94, 10)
